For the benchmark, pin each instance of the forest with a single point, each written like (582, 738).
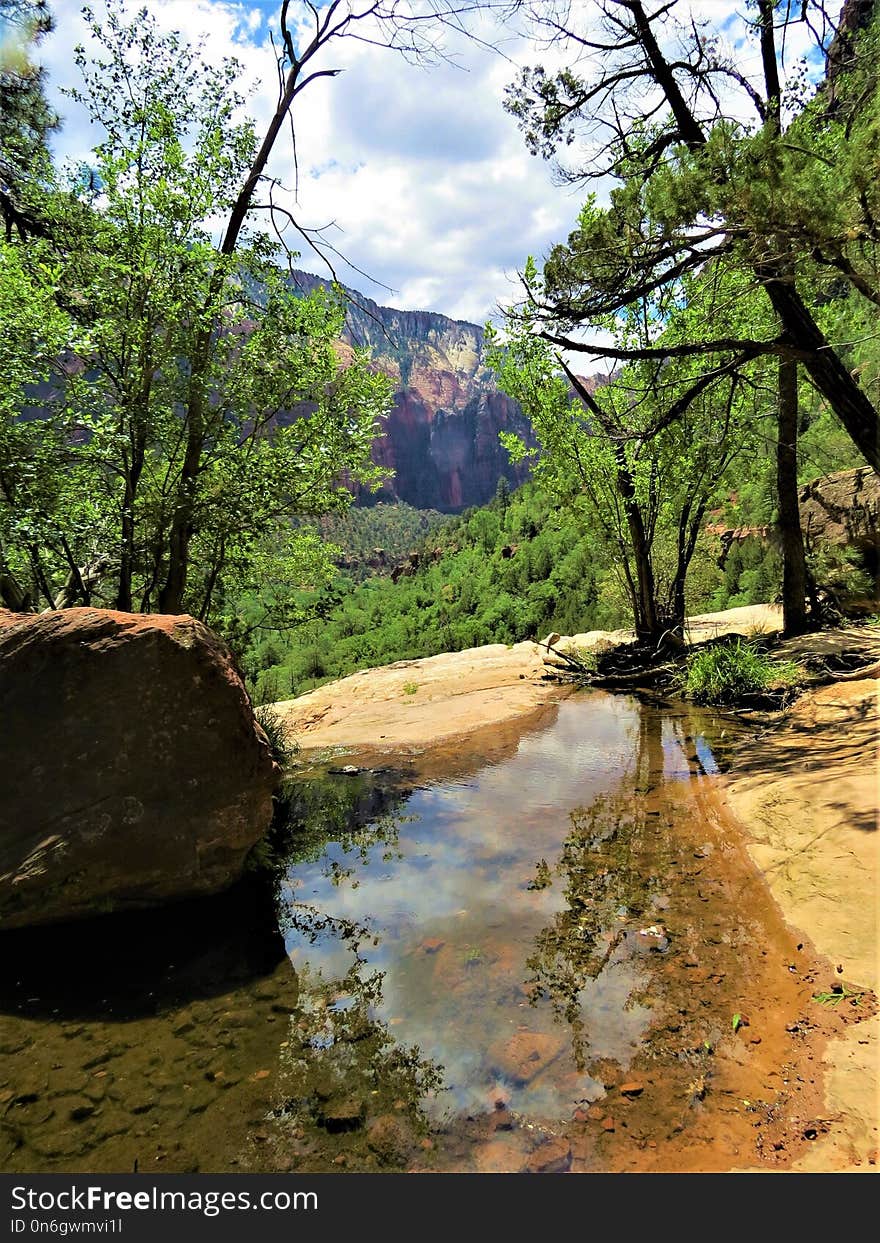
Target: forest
(181, 431)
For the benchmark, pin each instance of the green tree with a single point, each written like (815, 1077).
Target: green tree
(641, 454)
(784, 198)
(211, 404)
(36, 480)
(25, 117)
(696, 183)
(210, 388)
(502, 495)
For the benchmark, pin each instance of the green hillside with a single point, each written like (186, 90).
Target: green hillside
(515, 569)
(373, 538)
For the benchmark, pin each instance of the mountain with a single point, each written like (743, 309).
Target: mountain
(441, 437)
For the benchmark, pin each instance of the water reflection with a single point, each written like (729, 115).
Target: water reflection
(507, 913)
(425, 957)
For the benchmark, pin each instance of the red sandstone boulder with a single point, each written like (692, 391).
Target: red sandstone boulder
(131, 768)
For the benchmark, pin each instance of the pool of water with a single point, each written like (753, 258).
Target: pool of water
(521, 967)
(459, 900)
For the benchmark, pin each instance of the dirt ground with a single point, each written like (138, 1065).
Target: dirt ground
(804, 788)
(806, 791)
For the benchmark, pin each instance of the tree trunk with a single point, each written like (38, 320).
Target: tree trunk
(843, 394)
(138, 448)
(689, 527)
(646, 609)
(794, 571)
(126, 560)
(182, 523)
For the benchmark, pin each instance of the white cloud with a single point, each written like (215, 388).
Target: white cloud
(425, 176)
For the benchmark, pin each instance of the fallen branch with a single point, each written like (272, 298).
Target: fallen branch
(854, 675)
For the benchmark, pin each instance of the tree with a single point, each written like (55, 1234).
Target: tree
(211, 404)
(643, 451)
(661, 114)
(35, 479)
(25, 118)
(700, 187)
(207, 386)
(502, 494)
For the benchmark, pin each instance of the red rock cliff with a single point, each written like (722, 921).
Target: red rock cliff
(441, 438)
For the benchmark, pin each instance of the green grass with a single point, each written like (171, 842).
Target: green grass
(727, 672)
(280, 746)
(838, 994)
(410, 688)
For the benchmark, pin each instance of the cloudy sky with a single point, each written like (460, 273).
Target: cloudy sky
(426, 178)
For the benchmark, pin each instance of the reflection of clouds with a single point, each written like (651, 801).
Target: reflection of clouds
(465, 861)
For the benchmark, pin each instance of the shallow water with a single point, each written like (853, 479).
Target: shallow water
(469, 971)
(461, 917)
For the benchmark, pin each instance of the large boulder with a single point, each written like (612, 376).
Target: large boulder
(132, 770)
(843, 509)
(840, 510)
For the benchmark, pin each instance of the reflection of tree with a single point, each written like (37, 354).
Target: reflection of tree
(613, 865)
(343, 1068)
(603, 869)
(354, 813)
(649, 754)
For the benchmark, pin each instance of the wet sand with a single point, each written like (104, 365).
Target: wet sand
(806, 791)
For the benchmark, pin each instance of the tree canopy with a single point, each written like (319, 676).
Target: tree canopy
(716, 158)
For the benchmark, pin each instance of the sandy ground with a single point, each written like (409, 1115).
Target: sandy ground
(416, 707)
(806, 791)
(804, 788)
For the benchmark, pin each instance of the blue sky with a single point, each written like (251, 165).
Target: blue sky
(425, 177)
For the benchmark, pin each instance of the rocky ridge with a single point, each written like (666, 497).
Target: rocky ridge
(441, 437)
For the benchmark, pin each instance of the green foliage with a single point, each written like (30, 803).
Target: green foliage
(374, 538)
(272, 724)
(494, 576)
(211, 405)
(638, 454)
(838, 994)
(725, 672)
(26, 119)
(40, 472)
(748, 173)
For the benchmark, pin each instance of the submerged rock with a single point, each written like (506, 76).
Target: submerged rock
(551, 1157)
(131, 769)
(525, 1054)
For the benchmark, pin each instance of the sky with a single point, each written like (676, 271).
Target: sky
(424, 176)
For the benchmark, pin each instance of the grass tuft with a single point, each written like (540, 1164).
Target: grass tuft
(272, 724)
(728, 672)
